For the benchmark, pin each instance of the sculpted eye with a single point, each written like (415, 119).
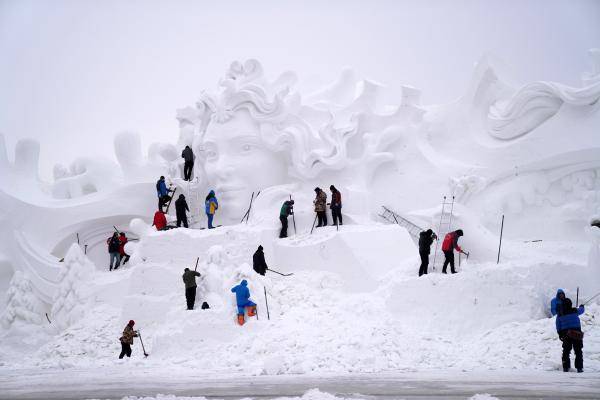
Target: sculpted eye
(211, 154)
(246, 147)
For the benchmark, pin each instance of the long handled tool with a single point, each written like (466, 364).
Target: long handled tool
(577, 301)
(590, 299)
(247, 214)
(293, 217)
(314, 222)
(267, 304)
(197, 259)
(142, 342)
(269, 269)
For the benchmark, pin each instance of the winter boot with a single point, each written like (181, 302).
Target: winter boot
(251, 311)
(579, 370)
(241, 320)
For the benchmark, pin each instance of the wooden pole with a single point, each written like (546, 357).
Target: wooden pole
(267, 304)
(500, 244)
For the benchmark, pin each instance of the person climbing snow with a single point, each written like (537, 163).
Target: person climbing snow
(127, 339)
(320, 203)
(162, 193)
(113, 249)
(287, 209)
(189, 279)
(211, 206)
(242, 299)
(188, 166)
(160, 221)
(448, 245)
(181, 207)
(336, 205)
(258, 261)
(556, 303)
(568, 327)
(426, 238)
(122, 242)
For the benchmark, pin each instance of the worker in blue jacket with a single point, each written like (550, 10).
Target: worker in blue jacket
(556, 303)
(162, 192)
(568, 327)
(242, 298)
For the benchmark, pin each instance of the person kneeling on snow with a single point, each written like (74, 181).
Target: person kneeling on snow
(568, 327)
(242, 298)
(127, 339)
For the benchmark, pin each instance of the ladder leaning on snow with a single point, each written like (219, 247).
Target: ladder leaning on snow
(443, 228)
(394, 218)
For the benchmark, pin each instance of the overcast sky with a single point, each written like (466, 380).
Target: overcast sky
(73, 73)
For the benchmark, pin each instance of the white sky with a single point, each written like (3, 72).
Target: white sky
(73, 73)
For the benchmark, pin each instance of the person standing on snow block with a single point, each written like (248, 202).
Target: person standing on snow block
(557, 302)
(568, 327)
(448, 245)
(320, 203)
(287, 209)
(189, 279)
(122, 242)
(211, 205)
(336, 205)
(258, 261)
(426, 238)
(127, 339)
(242, 299)
(113, 249)
(188, 155)
(160, 221)
(180, 208)
(162, 193)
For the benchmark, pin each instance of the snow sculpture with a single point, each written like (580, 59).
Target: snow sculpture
(255, 134)
(86, 175)
(71, 297)
(22, 303)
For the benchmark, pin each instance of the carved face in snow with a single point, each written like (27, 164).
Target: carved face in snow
(237, 162)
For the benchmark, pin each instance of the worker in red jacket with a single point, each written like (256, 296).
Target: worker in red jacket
(160, 221)
(448, 245)
(123, 240)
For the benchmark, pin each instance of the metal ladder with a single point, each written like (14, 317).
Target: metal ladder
(394, 218)
(444, 227)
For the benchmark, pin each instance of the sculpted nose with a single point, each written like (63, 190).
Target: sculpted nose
(225, 167)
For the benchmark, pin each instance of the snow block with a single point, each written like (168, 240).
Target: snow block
(360, 255)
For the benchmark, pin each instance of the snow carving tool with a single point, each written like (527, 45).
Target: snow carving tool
(293, 217)
(314, 222)
(197, 259)
(592, 298)
(142, 342)
(248, 210)
(269, 269)
(577, 298)
(48, 318)
(267, 304)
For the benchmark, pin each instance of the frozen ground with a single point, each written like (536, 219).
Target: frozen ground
(149, 384)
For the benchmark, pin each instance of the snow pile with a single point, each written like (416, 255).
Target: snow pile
(70, 301)
(22, 303)
(484, 396)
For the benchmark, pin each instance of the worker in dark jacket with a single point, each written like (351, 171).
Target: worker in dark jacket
(162, 192)
(180, 208)
(258, 261)
(189, 279)
(336, 205)
(568, 327)
(287, 209)
(449, 244)
(113, 249)
(127, 339)
(426, 238)
(243, 302)
(188, 155)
